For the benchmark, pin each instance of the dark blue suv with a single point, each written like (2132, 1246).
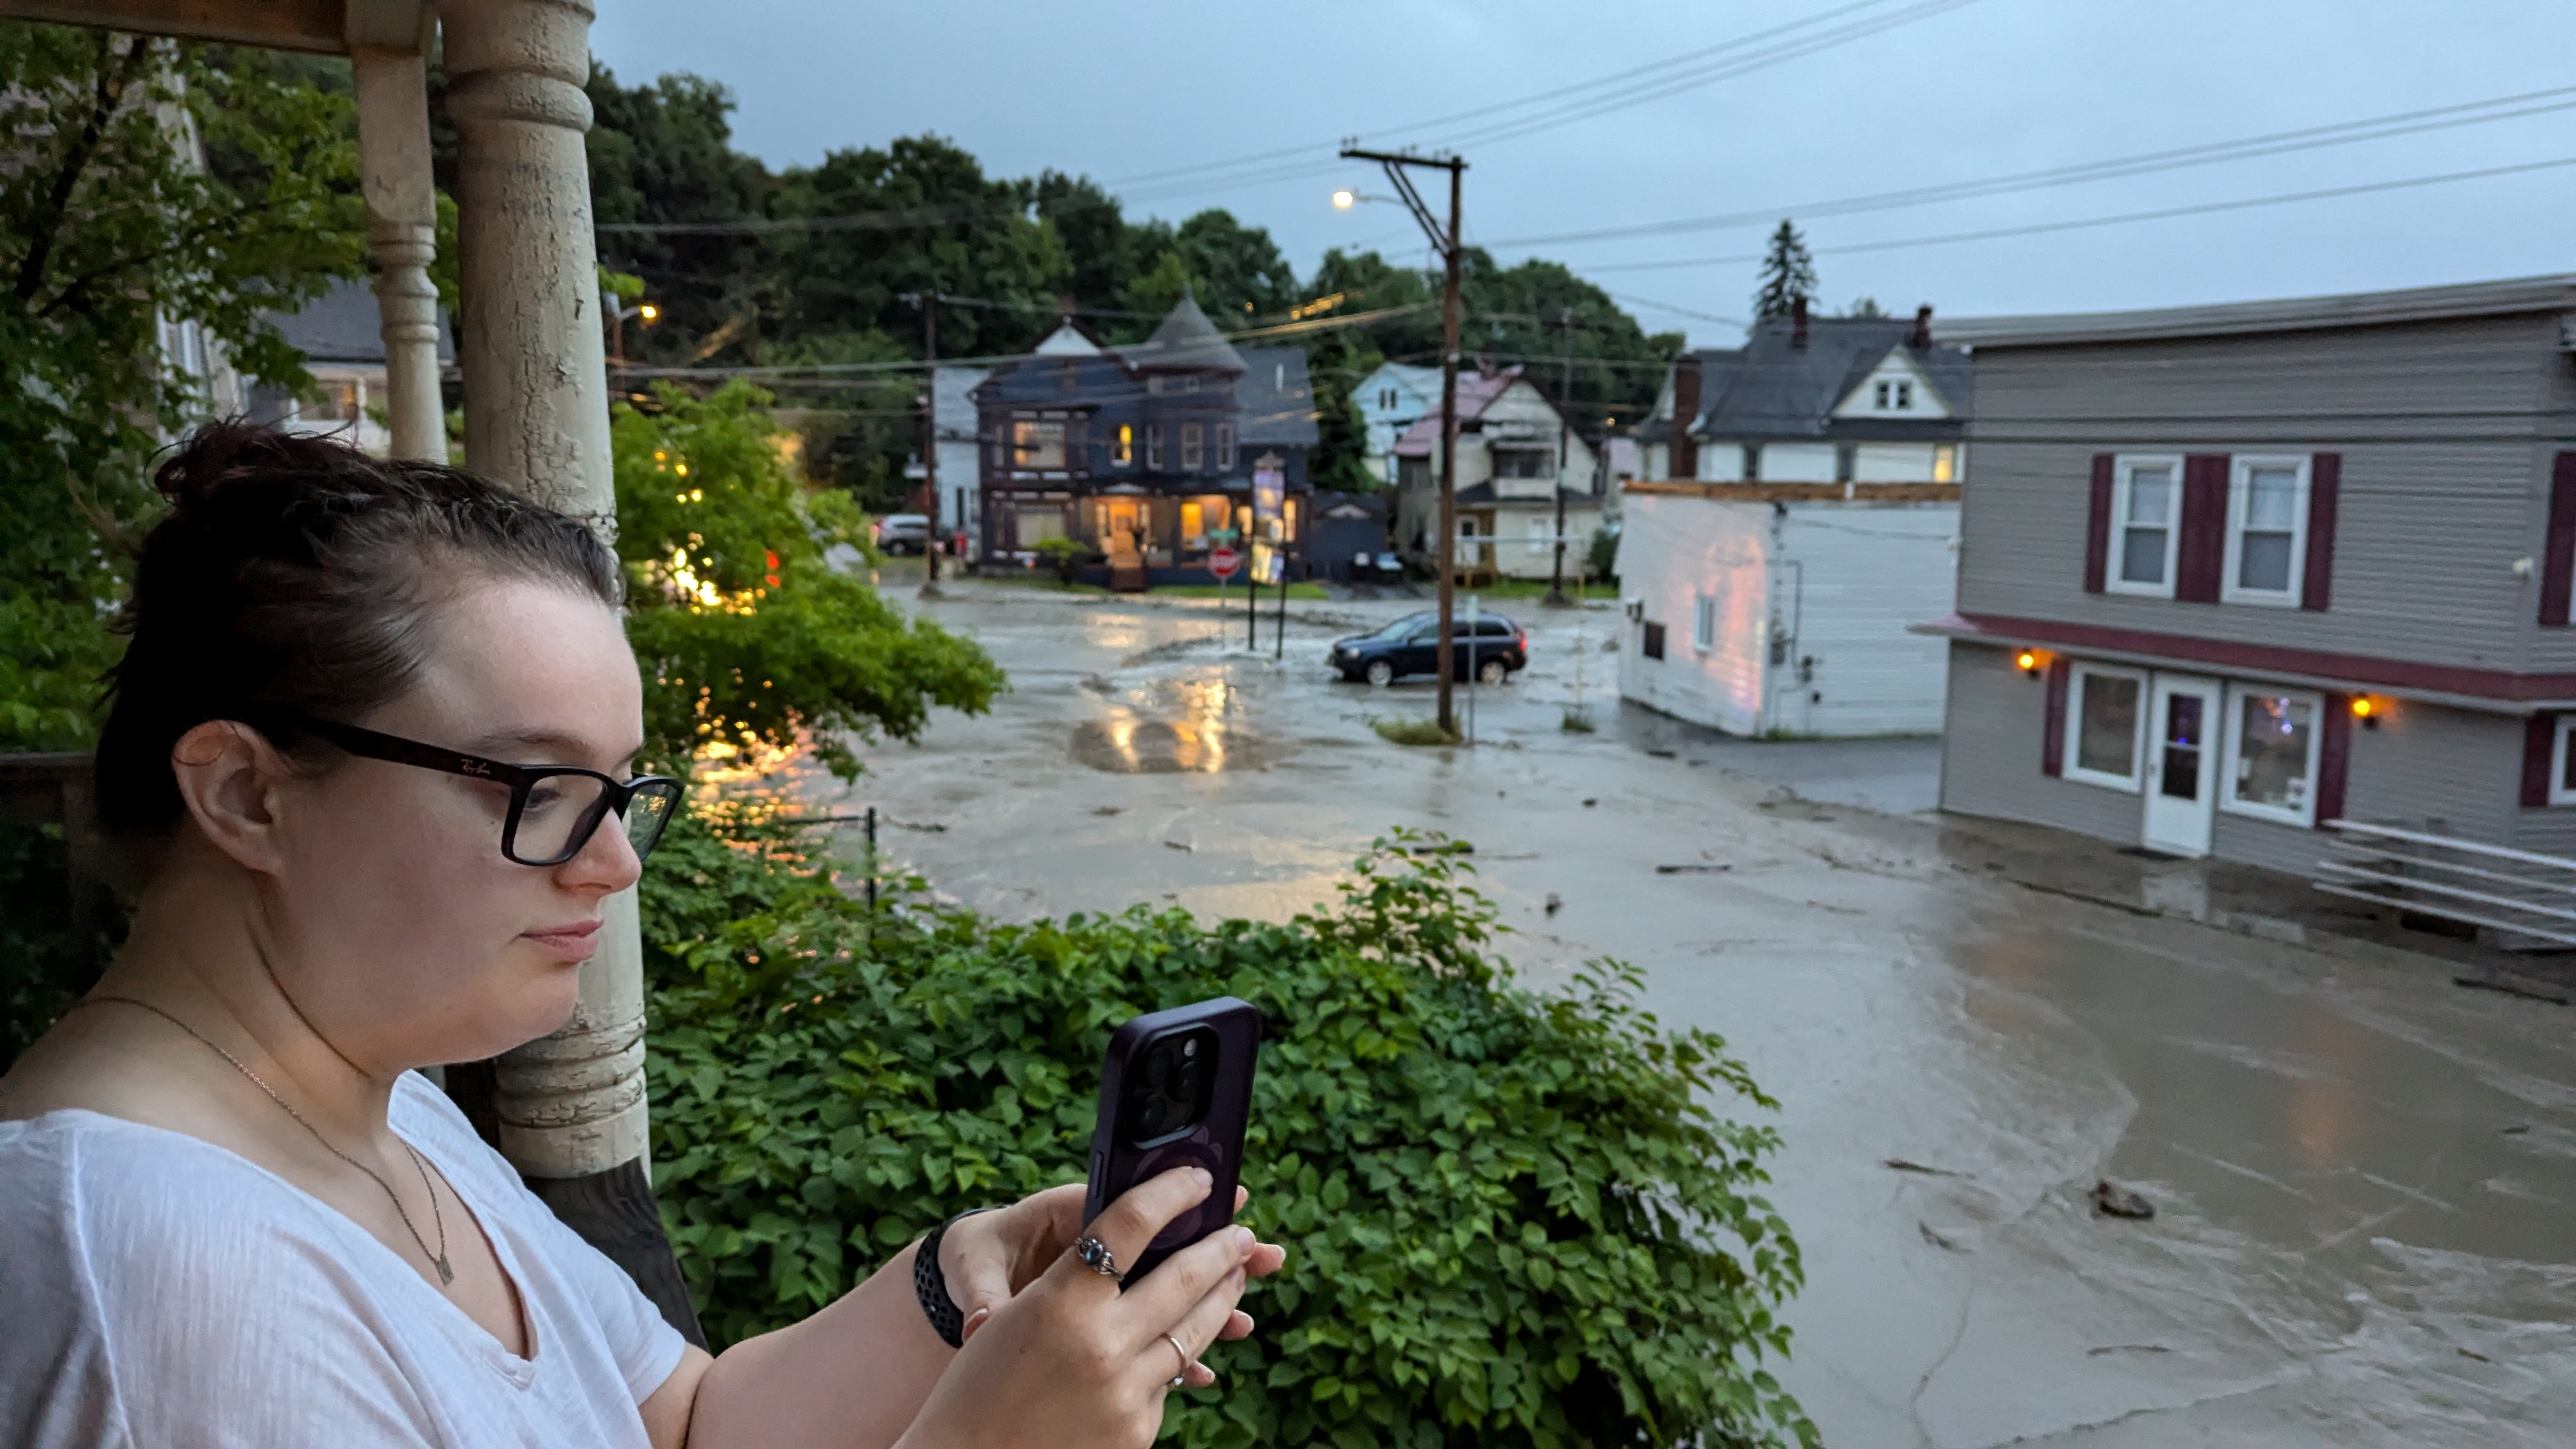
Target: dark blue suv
(1490, 649)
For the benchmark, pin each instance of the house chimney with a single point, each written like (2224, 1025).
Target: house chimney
(1682, 447)
(1797, 321)
(1921, 341)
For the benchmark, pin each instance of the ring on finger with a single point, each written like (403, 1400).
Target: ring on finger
(1186, 1361)
(1095, 1255)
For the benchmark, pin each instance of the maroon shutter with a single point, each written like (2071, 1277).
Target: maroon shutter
(2539, 745)
(2052, 748)
(2316, 581)
(2558, 559)
(2200, 556)
(2097, 527)
(2334, 756)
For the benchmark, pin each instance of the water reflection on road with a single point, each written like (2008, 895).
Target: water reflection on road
(2364, 1179)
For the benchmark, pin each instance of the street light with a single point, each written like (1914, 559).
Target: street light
(1445, 241)
(614, 313)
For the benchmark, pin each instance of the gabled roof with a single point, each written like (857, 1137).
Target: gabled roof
(342, 325)
(1276, 396)
(1067, 340)
(1772, 388)
(1186, 340)
(2552, 293)
(1476, 392)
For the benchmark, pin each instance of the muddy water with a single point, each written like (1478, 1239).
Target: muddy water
(2364, 1178)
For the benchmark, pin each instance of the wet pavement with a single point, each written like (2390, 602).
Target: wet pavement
(2364, 1177)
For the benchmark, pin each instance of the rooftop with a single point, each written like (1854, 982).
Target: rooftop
(342, 325)
(2350, 309)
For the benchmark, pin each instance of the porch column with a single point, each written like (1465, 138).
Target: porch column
(387, 39)
(570, 1106)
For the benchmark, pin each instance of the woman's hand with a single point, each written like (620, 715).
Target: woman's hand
(991, 1257)
(1068, 1360)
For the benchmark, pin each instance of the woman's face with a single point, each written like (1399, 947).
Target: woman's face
(408, 937)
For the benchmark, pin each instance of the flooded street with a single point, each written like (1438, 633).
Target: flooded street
(2364, 1178)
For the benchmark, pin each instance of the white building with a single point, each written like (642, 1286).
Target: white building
(1782, 609)
(1391, 400)
(1511, 490)
(952, 391)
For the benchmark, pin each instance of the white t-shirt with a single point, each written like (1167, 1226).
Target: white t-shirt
(156, 1290)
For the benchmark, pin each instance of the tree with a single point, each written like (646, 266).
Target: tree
(1788, 275)
(664, 153)
(156, 191)
(1864, 307)
(750, 641)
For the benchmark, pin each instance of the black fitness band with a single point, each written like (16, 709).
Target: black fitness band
(930, 1285)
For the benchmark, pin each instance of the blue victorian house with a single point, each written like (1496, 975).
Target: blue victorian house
(1145, 453)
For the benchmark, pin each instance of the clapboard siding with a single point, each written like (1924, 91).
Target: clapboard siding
(1995, 721)
(2424, 551)
(2446, 432)
(2448, 377)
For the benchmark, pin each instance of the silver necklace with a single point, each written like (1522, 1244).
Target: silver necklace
(438, 1259)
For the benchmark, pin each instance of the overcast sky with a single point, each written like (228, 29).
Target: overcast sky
(1975, 89)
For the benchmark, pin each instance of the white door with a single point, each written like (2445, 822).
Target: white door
(2182, 764)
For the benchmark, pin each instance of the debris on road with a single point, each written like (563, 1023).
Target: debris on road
(2110, 1200)
(1936, 1240)
(1554, 905)
(1181, 845)
(1591, 800)
(1693, 869)
(1899, 1164)
(1109, 810)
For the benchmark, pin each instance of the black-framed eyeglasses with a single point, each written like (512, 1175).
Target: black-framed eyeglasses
(554, 809)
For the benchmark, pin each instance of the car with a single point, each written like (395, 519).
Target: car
(1490, 649)
(903, 533)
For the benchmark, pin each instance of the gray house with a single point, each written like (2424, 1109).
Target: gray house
(2230, 573)
(1814, 400)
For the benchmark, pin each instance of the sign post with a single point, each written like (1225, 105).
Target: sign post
(1269, 515)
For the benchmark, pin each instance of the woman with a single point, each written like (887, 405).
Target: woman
(369, 752)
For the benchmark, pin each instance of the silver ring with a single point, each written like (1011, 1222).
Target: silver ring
(1095, 1255)
(1185, 1361)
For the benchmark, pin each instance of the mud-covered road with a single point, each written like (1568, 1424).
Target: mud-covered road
(2364, 1177)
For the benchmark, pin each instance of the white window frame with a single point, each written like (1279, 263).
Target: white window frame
(1893, 395)
(2559, 794)
(2121, 467)
(1704, 623)
(2234, 703)
(2240, 497)
(2071, 756)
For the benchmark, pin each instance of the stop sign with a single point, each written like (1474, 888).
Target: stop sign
(1223, 562)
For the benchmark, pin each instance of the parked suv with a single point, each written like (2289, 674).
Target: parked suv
(1491, 649)
(903, 533)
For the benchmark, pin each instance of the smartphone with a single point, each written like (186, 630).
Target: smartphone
(1176, 1089)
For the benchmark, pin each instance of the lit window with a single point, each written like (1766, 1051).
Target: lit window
(2272, 740)
(2105, 725)
(1945, 462)
(2267, 530)
(1193, 446)
(1123, 452)
(2146, 505)
(1224, 447)
(1154, 445)
(1036, 444)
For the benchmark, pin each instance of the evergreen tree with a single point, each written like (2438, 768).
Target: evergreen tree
(1788, 274)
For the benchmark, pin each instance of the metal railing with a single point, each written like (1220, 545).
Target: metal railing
(2527, 898)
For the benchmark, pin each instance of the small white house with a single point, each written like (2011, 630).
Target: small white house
(1390, 400)
(1782, 609)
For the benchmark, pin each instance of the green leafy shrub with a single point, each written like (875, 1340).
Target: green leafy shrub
(747, 636)
(1064, 555)
(1512, 1218)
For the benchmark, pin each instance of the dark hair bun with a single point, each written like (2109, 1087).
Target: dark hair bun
(294, 575)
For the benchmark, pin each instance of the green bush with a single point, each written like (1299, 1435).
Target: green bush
(1064, 555)
(1512, 1217)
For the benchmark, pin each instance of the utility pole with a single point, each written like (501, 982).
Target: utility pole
(1564, 395)
(1445, 241)
(929, 302)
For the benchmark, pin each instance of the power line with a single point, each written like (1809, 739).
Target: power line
(2160, 214)
(2342, 133)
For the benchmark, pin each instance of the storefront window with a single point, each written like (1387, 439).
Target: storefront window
(2104, 715)
(2274, 748)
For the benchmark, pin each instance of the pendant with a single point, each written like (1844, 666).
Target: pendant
(446, 1274)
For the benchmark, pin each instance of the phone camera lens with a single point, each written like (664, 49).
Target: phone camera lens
(1189, 1048)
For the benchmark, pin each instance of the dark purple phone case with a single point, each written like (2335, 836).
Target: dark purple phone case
(1216, 1143)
